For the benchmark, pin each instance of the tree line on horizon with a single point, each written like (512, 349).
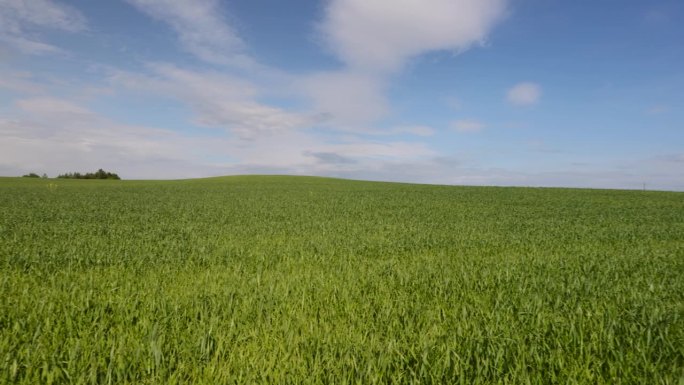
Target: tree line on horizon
(99, 174)
(34, 175)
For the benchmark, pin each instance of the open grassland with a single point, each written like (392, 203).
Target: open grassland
(313, 280)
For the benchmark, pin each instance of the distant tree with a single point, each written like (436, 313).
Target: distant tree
(99, 174)
(44, 176)
(31, 175)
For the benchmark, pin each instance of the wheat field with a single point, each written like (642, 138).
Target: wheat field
(303, 280)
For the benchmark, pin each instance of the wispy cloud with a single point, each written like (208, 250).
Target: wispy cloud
(28, 46)
(217, 100)
(23, 21)
(524, 94)
(201, 27)
(18, 15)
(330, 157)
(467, 125)
(20, 82)
(672, 158)
(51, 107)
(413, 130)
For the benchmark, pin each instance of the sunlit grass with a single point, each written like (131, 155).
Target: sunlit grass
(315, 280)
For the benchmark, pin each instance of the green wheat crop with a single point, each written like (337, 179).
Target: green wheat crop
(311, 280)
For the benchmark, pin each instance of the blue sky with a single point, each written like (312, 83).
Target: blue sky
(481, 92)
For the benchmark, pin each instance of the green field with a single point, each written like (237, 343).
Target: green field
(315, 280)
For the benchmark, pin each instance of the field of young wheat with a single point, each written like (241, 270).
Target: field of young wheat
(312, 280)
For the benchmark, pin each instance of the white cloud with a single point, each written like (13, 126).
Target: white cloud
(27, 46)
(20, 82)
(51, 107)
(380, 35)
(347, 98)
(381, 150)
(524, 94)
(39, 13)
(217, 100)
(467, 125)
(413, 130)
(201, 29)
(21, 22)
(374, 39)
